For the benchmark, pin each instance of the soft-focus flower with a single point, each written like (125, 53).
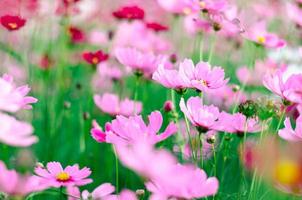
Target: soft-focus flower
(236, 123)
(54, 175)
(137, 35)
(288, 133)
(288, 89)
(160, 167)
(95, 58)
(129, 13)
(12, 23)
(111, 104)
(123, 130)
(258, 34)
(76, 35)
(168, 106)
(102, 192)
(156, 27)
(189, 183)
(16, 133)
(14, 98)
(14, 184)
(200, 115)
(138, 61)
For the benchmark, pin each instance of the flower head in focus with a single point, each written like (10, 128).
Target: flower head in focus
(55, 176)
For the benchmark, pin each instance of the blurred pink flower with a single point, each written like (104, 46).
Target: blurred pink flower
(259, 34)
(14, 98)
(237, 123)
(123, 130)
(124, 195)
(107, 70)
(288, 133)
(102, 192)
(14, 184)
(202, 77)
(190, 183)
(16, 133)
(294, 13)
(159, 167)
(200, 115)
(246, 75)
(110, 103)
(98, 38)
(145, 63)
(55, 176)
(179, 6)
(137, 35)
(289, 89)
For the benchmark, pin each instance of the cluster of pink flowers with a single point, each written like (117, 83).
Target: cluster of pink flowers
(200, 77)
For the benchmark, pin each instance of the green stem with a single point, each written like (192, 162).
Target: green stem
(201, 48)
(116, 170)
(213, 43)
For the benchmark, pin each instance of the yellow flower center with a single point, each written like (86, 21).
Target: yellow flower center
(261, 39)
(12, 25)
(95, 60)
(202, 4)
(63, 176)
(288, 172)
(187, 11)
(204, 83)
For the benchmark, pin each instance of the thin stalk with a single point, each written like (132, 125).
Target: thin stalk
(212, 48)
(116, 170)
(201, 47)
(190, 139)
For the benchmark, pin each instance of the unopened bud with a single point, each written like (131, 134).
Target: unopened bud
(168, 106)
(140, 192)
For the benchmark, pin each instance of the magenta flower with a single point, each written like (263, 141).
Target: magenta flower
(123, 130)
(110, 103)
(237, 123)
(159, 168)
(200, 115)
(102, 192)
(202, 77)
(55, 176)
(259, 34)
(14, 184)
(288, 133)
(16, 133)
(145, 63)
(14, 98)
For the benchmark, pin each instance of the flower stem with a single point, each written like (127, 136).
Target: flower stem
(116, 170)
(213, 43)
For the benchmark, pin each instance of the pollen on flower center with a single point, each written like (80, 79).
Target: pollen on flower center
(204, 83)
(187, 11)
(12, 25)
(287, 172)
(202, 4)
(95, 60)
(63, 176)
(261, 39)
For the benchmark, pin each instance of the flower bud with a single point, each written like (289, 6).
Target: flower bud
(168, 106)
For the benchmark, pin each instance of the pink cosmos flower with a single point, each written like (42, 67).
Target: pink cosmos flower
(137, 35)
(55, 176)
(294, 13)
(102, 192)
(202, 77)
(14, 184)
(171, 78)
(190, 183)
(288, 89)
(200, 115)
(145, 63)
(237, 123)
(159, 168)
(16, 133)
(110, 103)
(246, 75)
(259, 34)
(123, 130)
(14, 98)
(124, 195)
(107, 70)
(288, 133)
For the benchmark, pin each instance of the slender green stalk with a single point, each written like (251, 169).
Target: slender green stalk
(190, 138)
(201, 47)
(212, 48)
(116, 170)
